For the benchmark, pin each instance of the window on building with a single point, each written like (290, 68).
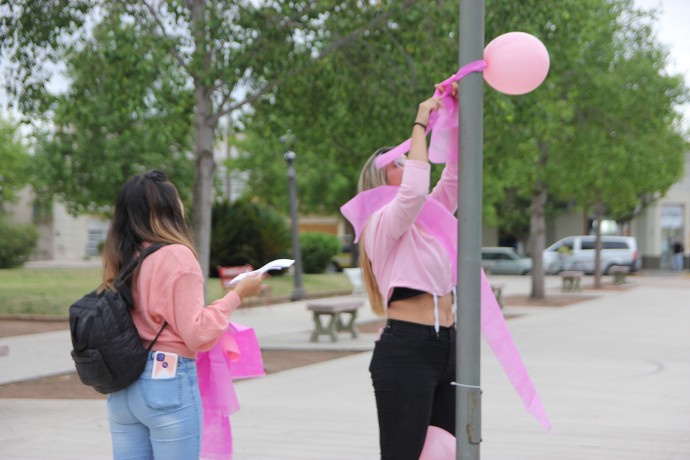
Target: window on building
(96, 236)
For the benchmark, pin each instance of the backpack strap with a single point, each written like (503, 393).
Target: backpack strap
(122, 282)
(165, 323)
(122, 279)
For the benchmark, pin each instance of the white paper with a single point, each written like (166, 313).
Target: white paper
(277, 264)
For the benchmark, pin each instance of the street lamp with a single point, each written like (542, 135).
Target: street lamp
(298, 291)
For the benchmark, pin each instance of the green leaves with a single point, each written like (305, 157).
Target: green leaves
(247, 232)
(346, 78)
(603, 118)
(15, 163)
(359, 97)
(128, 110)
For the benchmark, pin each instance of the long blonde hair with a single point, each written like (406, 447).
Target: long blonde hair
(371, 177)
(375, 297)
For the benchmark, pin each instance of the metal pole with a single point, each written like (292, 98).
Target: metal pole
(471, 98)
(298, 291)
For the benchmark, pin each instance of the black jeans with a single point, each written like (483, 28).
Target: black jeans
(412, 369)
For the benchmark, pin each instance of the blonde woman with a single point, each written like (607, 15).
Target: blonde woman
(408, 275)
(160, 414)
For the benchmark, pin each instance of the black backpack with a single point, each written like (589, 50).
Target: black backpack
(107, 350)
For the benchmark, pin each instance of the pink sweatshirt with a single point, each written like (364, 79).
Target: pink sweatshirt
(401, 253)
(170, 287)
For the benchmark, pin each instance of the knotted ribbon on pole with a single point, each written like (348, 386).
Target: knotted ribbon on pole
(443, 124)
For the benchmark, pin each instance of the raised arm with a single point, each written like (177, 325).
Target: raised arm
(398, 215)
(446, 190)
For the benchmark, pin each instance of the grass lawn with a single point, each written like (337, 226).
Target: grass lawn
(52, 291)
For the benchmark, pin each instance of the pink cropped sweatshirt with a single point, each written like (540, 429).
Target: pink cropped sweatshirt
(402, 254)
(170, 287)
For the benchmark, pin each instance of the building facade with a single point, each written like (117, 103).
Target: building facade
(63, 237)
(663, 222)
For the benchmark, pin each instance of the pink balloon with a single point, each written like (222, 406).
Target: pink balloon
(439, 445)
(517, 63)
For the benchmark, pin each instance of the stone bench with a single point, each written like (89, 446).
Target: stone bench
(619, 273)
(339, 313)
(571, 280)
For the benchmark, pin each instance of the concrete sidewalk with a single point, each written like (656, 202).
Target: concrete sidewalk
(613, 374)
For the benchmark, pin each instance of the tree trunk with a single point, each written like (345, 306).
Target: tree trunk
(204, 129)
(538, 228)
(598, 217)
(538, 237)
(203, 177)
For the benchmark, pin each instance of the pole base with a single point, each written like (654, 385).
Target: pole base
(298, 294)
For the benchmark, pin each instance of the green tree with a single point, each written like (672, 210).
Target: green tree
(361, 98)
(14, 163)
(537, 142)
(530, 133)
(350, 103)
(127, 110)
(638, 152)
(230, 53)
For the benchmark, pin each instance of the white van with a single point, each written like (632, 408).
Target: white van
(577, 253)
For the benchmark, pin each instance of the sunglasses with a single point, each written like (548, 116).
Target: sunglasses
(400, 162)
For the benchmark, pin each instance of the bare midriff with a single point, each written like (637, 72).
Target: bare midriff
(420, 309)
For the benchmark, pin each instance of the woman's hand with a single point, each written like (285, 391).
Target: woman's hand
(434, 103)
(249, 286)
(425, 108)
(453, 89)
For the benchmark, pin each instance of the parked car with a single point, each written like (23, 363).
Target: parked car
(505, 261)
(578, 252)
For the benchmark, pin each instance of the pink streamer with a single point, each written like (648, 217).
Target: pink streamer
(443, 145)
(497, 334)
(440, 223)
(236, 355)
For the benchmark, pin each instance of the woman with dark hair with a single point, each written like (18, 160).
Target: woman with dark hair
(160, 414)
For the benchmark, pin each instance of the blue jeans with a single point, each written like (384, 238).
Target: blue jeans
(412, 369)
(157, 418)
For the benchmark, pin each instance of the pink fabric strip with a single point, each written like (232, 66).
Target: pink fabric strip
(497, 334)
(443, 144)
(236, 355)
(440, 223)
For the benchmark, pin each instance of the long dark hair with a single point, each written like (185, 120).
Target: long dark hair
(148, 209)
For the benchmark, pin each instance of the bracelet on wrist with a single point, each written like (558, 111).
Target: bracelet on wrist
(420, 124)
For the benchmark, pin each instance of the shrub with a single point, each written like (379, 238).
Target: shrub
(317, 250)
(244, 232)
(16, 243)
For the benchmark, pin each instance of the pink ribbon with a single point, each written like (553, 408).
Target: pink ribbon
(443, 145)
(497, 334)
(236, 355)
(440, 223)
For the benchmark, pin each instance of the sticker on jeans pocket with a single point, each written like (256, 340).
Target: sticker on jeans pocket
(164, 365)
